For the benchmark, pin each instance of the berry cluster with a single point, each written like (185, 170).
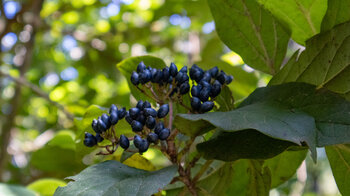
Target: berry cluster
(177, 80)
(209, 84)
(143, 119)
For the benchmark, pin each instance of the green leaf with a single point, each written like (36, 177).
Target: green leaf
(284, 166)
(250, 178)
(251, 31)
(46, 186)
(324, 63)
(115, 178)
(337, 13)
(127, 154)
(127, 66)
(339, 159)
(225, 99)
(246, 144)
(15, 190)
(302, 17)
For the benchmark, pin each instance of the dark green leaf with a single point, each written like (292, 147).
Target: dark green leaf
(129, 65)
(337, 12)
(302, 17)
(324, 63)
(251, 31)
(115, 178)
(225, 100)
(15, 190)
(339, 159)
(246, 144)
(284, 165)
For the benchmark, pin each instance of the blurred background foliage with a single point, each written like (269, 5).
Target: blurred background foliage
(59, 57)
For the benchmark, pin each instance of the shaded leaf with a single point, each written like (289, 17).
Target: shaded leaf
(251, 31)
(225, 99)
(339, 159)
(302, 17)
(127, 154)
(118, 179)
(337, 12)
(324, 63)
(15, 190)
(46, 186)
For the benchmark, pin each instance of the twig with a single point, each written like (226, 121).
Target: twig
(150, 96)
(202, 170)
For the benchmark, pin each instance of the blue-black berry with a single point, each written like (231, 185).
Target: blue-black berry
(152, 138)
(150, 122)
(95, 126)
(173, 69)
(159, 127)
(136, 126)
(89, 140)
(195, 103)
(206, 106)
(121, 113)
(128, 118)
(164, 134)
(150, 112)
(140, 67)
(99, 138)
(163, 111)
(135, 78)
(134, 112)
(124, 142)
(113, 117)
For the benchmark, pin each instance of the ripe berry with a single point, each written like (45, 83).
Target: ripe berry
(101, 125)
(228, 79)
(178, 77)
(113, 108)
(170, 80)
(121, 113)
(134, 112)
(215, 89)
(195, 103)
(183, 69)
(165, 74)
(163, 111)
(140, 67)
(164, 134)
(222, 77)
(150, 112)
(184, 88)
(153, 74)
(143, 147)
(204, 94)
(95, 126)
(89, 140)
(136, 126)
(99, 138)
(150, 122)
(159, 127)
(128, 118)
(124, 142)
(145, 76)
(141, 118)
(135, 78)
(206, 77)
(152, 138)
(113, 117)
(173, 69)
(206, 106)
(214, 71)
(105, 119)
(197, 76)
(195, 91)
(137, 141)
(146, 104)
(139, 104)
(158, 77)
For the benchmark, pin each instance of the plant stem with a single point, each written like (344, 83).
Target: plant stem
(202, 170)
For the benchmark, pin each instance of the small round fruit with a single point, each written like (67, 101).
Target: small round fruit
(159, 126)
(99, 138)
(134, 112)
(95, 126)
(139, 104)
(113, 108)
(146, 104)
(124, 142)
(195, 103)
(89, 140)
(150, 112)
(113, 117)
(173, 69)
(206, 106)
(136, 126)
(150, 122)
(140, 67)
(152, 138)
(135, 78)
(121, 113)
(101, 125)
(163, 111)
(184, 88)
(214, 71)
(105, 119)
(128, 118)
(143, 147)
(164, 134)
(137, 141)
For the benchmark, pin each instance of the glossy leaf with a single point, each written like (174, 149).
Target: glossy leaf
(339, 159)
(251, 31)
(324, 63)
(118, 179)
(302, 17)
(337, 13)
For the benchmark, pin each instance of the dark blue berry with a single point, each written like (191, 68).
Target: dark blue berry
(143, 147)
(206, 106)
(153, 74)
(165, 74)
(101, 125)
(95, 126)
(150, 112)
(184, 78)
(89, 140)
(183, 69)
(221, 77)
(128, 118)
(124, 142)
(139, 104)
(121, 113)
(113, 108)
(215, 89)
(206, 77)
(178, 77)
(136, 126)
(105, 119)
(145, 76)
(228, 79)
(113, 117)
(197, 76)
(163, 111)
(159, 127)
(193, 70)
(184, 88)
(204, 84)
(214, 71)
(204, 94)
(135, 78)
(195, 103)
(152, 138)
(173, 69)
(140, 67)
(158, 77)
(170, 80)
(195, 91)
(99, 138)
(141, 118)
(146, 104)
(150, 122)
(137, 141)
(134, 112)
(164, 134)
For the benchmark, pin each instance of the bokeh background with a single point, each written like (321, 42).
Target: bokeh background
(58, 57)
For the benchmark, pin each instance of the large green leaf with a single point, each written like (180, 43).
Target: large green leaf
(129, 65)
(115, 178)
(303, 17)
(284, 165)
(251, 31)
(337, 12)
(250, 178)
(324, 63)
(339, 159)
(46, 186)
(15, 190)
